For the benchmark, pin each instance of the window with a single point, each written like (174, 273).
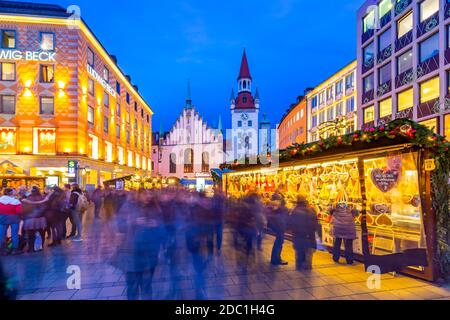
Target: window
(330, 114)
(429, 90)
(106, 99)
(369, 114)
(369, 54)
(339, 109)
(339, 87)
(350, 81)
(314, 102)
(47, 74)
(91, 87)
(44, 141)
(404, 25)
(8, 71)
(105, 124)
(91, 58)
(118, 87)
(189, 161)
(330, 94)
(368, 83)
(405, 99)
(135, 106)
(205, 162)
(91, 115)
(250, 123)
(7, 104)
(405, 62)
(118, 110)
(428, 8)
(369, 22)
(239, 124)
(314, 121)
(105, 74)
(47, 106)
(128, 98)
(47, 41)
(447, 126)
(8, 39)
(128, 117)
(351, 105)
(429, 48)
(173, 163)
(384, 74)
(128, 137)
(431, 124)
(384, 8)
(384, 40)
(244, 99)
(386, 108)
(322, 117)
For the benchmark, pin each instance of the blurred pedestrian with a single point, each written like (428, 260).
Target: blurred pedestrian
(97, 199)
(10, 211)
(278, 215)
(303, 224)
(78, 206)
(343, 230)
(34, 219)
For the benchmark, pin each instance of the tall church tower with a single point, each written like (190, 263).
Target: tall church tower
(245, 116)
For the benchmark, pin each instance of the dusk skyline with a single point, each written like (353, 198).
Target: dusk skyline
(290, 47)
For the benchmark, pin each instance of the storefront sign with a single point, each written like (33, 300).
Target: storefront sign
(430, 165)
(102, 81)
(72, 167)
(43, 56)
(385, 180)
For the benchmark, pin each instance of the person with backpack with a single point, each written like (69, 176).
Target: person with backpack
(78, 205)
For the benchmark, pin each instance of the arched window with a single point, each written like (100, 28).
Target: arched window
(245, 85)
(189, 161)
(173, 163)
(205, 162)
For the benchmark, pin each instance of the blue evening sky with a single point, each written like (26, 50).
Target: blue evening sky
(291, 45)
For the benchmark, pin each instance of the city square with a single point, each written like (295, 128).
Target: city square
(145, 179)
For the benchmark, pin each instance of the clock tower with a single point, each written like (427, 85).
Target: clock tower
(245, 116)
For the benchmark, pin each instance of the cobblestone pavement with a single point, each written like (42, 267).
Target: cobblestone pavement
(42, 276)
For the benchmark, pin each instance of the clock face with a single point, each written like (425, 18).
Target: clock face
(244, 116)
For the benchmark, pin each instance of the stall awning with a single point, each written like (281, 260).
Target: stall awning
(187, 182)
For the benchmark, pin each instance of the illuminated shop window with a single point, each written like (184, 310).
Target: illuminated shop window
(405, 99)
(7, 104)
(44, 141)
(47, 106)
(47, 73)
(386, 108)
(369, 22)
(429, 90)
(108, 152)
(431, 124)
(48, 41)
(404, 62)
(91, 115)
(369, 114)
(447, 125)
(8, 141)
(429, 48)
(8, 39)
(384, 8)
(92, 147)
(428, 8)
(8, 71)
(404, 25)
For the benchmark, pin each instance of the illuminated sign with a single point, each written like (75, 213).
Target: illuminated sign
(28, 55)
(72, 167)
(100, 80)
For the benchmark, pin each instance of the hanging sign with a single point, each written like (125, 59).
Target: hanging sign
(430, 165)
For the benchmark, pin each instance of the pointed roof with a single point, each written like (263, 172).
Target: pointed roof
(245, 70)
(232, 97)
(220, 123)
(257, 94)
(189, 96)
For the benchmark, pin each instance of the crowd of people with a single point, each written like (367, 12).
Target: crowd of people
(167, 224)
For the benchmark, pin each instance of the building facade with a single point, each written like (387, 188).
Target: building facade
(293, 126)
(64, 98)
(332, 105)
(189, 150)
(244, 117)
(404, 62)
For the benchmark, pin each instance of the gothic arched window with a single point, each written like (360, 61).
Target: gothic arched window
(205, 162)
(173, 163)
(189, 161)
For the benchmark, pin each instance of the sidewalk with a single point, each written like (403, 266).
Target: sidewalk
(42, 276)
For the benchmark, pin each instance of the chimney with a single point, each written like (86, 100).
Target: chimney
(136, 88)
(128, 78)
(308, 90)
(113, 58)
(300, 98)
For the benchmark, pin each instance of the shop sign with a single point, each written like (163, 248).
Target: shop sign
(202, 175)
(43, 56)
(430, 165)
(72, 167)
(102, 81)
(385, 180)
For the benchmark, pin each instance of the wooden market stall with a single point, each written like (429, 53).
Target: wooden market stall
(12, 176)
(133, 182)
(396, 176)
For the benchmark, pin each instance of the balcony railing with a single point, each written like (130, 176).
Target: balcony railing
(427, 108)
(428, 25)
(401, 6)
(384, 54)
(428, 66)
(404, 41)
(368, 96)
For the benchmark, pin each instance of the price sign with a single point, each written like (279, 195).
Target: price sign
(430, 165)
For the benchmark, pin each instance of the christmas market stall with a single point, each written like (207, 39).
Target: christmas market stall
(134, 182)
(395, 175)
(12, 176)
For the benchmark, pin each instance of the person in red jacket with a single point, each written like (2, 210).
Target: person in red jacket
(10, 211)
